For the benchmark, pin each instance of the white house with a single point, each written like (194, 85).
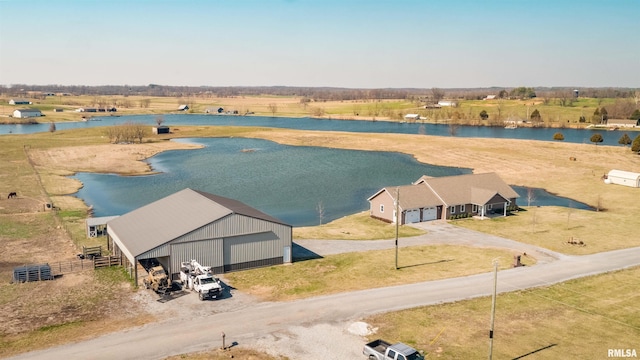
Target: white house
(26, 113)
(620, 177)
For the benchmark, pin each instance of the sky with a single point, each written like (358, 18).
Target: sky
(333, 43)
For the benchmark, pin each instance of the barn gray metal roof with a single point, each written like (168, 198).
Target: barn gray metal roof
(175, 215)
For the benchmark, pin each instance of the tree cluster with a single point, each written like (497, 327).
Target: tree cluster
(128, 132)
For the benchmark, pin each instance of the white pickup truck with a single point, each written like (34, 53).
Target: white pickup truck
(382, 350)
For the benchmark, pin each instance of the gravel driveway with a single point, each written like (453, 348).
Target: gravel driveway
(438, 232)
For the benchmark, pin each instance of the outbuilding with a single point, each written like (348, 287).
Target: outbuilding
(162, 129)
(620, 177)
(19, 102)
(223, 233)
(26, 113)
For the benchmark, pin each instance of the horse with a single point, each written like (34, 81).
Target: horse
(12, 195)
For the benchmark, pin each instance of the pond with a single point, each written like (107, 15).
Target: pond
(581, 136)
(288, 182)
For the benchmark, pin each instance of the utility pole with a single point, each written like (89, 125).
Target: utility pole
(493, 306)
(397, 221)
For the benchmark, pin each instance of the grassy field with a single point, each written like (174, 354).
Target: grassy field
(467, 112)
(579, 319)
(30, 234)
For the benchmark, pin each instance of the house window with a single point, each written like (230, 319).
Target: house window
(452, 209)
(461, 208)
(381, 208)
(490, 206)
(474, 208)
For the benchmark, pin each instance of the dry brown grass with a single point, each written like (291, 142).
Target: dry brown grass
(578, 319)
(354, 271)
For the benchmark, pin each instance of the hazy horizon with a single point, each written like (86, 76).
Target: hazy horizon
(352, 44)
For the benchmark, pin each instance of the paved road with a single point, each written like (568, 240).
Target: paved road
(158, 340)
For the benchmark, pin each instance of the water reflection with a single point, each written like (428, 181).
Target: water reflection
(288, 182)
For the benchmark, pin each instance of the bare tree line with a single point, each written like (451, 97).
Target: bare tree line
(128, 132)
(312, 93)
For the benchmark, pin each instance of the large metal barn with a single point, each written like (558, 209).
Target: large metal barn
(216, 231)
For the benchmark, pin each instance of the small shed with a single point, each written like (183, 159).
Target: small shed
(412, 117)
(162, 129)
(98, 226)
(621, 177)
(183, 107)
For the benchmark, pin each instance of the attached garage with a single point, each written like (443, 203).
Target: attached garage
(216, 231)
(412, 216)
(626, 178)
(429, 214)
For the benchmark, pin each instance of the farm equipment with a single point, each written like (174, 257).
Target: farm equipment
(157, 280)
(200, 279)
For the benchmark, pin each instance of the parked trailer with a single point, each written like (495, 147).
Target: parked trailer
(30, 273)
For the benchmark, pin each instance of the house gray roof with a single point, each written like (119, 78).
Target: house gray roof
(413, 197)
(28, 110)
(468, 188)
(430, 191)
(175, 215)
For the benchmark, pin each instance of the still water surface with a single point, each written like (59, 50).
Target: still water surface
(545, 134)
(287, 182)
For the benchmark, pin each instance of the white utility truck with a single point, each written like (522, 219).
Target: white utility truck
(200, 279)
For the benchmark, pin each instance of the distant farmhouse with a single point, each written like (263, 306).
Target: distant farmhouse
(433, 198)
(19, 102)
(92, 110)
(626, 123)
(183, 107)
(26, 113)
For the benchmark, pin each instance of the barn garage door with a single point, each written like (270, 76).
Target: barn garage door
(429, 214)
(412, 216)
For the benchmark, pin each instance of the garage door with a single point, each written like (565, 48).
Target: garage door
(412, 216)
(429, 214)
